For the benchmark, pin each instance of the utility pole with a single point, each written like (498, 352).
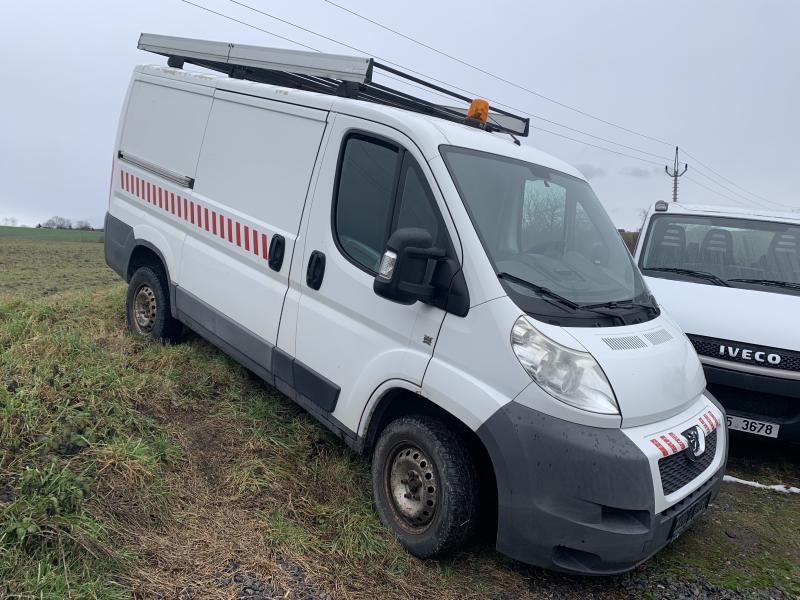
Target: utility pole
(675, 173)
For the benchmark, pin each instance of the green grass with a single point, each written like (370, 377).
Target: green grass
(133, 469)
(49, 235)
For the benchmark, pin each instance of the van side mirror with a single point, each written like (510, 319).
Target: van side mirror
(407, 267)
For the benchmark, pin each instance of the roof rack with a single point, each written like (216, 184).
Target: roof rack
(336, 74)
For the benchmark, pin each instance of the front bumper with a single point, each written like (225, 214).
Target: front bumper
(749, 395)
(585, 499)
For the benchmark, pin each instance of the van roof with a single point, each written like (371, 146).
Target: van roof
(759, 214)
(428, 132)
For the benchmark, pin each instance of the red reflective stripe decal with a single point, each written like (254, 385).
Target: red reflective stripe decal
(222, 226)
(160, 197)
(206, 217)
(180, 212)
(656, 443)
(185, 209)
(264, 245)
(172, 202)
(122, 179)
(214, 222)
(716, 420)
(230, 230)
(704, 424)
(238, 234)
(137, 186)
(191, 211)
(199, 216)
(669, 443)
(247, 238)
(255, 242)
(678, 440)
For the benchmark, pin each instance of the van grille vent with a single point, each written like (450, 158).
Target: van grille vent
(626, 342)
(658, 337)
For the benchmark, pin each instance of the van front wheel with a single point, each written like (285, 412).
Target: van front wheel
(425, 486)
(147, 306)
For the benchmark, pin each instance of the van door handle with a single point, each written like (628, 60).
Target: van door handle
(276, 250)
(316, 270)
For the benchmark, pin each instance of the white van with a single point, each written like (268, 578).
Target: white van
(731, 279)
(452, 304)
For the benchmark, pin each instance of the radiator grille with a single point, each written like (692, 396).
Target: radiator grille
(705, 346)
(677, 470)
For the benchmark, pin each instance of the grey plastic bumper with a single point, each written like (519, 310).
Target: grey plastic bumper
(575, 498)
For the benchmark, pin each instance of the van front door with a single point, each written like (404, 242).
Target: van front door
(349, 341)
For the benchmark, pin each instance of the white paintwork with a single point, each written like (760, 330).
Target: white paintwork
(344, 331)
(642, 435)
(264, 186)
(269, 158)
(651, 383)
(754, 316)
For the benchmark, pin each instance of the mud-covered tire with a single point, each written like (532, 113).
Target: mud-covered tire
(147, 306)
(451, 487)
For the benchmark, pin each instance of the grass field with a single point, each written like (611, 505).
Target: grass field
(137, 470)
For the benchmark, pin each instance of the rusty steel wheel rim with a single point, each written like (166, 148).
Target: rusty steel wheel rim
(412, 485)
(145, 309)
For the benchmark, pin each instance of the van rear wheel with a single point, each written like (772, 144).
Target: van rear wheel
(147, 306)
(425, 486)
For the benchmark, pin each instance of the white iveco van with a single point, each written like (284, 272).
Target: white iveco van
(453, 304)
(731, 278)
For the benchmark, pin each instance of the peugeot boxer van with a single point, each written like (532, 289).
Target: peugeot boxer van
(731, 279)
(451, 303)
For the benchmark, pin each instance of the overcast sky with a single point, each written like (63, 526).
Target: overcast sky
(719, 78)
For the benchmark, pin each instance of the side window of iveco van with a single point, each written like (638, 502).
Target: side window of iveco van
(364, 198)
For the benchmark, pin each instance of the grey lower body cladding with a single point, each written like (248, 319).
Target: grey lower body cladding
(576, 498)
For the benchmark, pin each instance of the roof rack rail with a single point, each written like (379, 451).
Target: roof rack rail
(336, 74)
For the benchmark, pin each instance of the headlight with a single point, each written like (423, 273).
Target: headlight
(572, 376)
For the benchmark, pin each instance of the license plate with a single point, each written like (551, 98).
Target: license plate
(685, 519)
(753, 426)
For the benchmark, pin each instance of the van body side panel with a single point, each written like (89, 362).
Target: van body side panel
(346, 333)
(163, 125)
(252, 180)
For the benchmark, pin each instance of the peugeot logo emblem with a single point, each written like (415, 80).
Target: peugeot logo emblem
(697, 442)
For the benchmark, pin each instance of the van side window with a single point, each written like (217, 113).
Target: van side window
(417, 206)
(365, 199)
(381, 189)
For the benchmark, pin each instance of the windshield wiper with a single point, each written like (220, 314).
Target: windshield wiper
(539, 289)
(773, 282)
(619, 304)
(691, 273)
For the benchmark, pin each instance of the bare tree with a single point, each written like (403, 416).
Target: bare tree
(57, 223)
(84, 225)
(9, 221)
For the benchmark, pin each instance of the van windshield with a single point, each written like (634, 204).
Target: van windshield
(549, 239)
(726, 251)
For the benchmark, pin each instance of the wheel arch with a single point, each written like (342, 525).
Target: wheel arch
(403, 399)
(146, 254)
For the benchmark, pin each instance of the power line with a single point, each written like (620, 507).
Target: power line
(471, 93)
(498, 77)
(733, 183)
(245, 23)
(702, 185)
(335, 41)
(557, 102)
